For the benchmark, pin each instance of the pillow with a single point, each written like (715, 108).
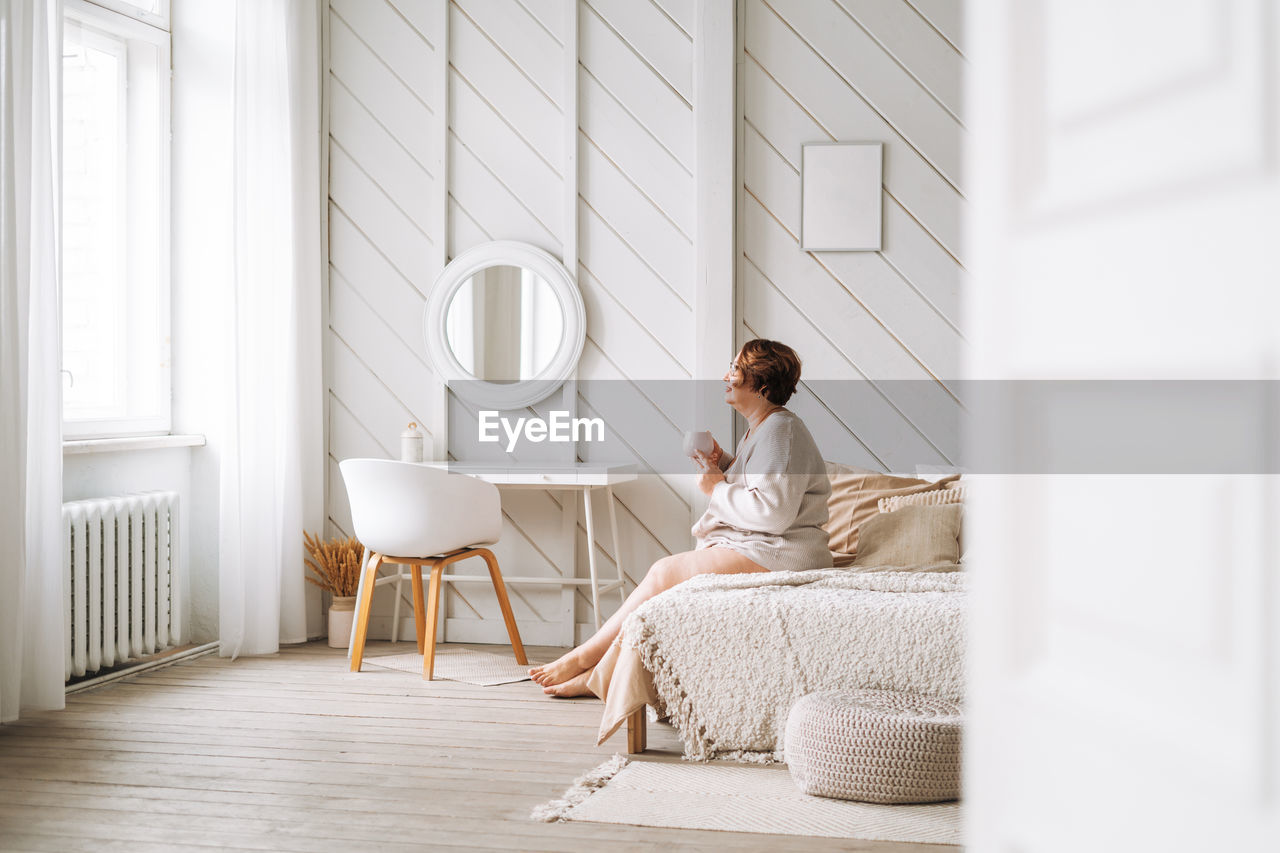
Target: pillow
(933, 472)
(918, 538)
(951, 494)
(855, 495)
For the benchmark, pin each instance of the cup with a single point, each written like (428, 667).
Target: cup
(698, 442)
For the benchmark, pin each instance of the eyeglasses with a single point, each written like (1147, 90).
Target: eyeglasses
(734, 368)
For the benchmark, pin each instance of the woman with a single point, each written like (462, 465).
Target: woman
(767, 509)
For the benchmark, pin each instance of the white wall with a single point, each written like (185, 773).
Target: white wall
(634, 181)
(858, 71)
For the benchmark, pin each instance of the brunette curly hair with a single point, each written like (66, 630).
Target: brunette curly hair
(770, 367)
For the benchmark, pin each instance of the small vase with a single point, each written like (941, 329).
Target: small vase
(342, 612)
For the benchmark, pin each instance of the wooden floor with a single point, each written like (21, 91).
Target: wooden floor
(292, 752)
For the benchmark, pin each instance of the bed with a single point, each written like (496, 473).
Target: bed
(724, 657)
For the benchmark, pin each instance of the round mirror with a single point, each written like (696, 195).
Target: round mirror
(505, 324)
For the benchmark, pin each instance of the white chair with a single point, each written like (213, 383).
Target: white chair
(415, 515)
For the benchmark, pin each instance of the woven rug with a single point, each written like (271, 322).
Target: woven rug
(467, 665)
(739, 798)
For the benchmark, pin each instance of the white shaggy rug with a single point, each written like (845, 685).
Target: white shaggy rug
(482, 668)
(739, 798)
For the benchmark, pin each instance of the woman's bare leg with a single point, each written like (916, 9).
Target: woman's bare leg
(661, 576)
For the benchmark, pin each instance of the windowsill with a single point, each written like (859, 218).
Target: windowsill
(132, 442)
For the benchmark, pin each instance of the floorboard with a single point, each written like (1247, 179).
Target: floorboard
(293, 752)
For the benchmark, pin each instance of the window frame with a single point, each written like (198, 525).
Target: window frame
(159, 19)
(134, 24)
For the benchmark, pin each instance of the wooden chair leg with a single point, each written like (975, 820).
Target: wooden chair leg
(419, 606)
(500, 589)
(433, 615)
(395, 615)
(638, 730)
(362, 612)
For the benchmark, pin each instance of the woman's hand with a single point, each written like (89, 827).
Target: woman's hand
(716, 454)
(709, 472)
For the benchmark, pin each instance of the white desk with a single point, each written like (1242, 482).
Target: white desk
(582, 477)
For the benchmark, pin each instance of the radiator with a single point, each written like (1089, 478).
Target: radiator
(119, 557)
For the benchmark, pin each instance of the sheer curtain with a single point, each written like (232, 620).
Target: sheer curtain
(273, 457)
(32, 656)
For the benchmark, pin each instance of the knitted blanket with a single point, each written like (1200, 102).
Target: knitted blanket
(730, 654)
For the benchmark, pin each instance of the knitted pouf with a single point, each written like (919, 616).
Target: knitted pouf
(876, 746)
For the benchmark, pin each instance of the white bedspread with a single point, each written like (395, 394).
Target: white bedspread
(730, 654)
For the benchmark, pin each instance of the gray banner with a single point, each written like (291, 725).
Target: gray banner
(981, 427)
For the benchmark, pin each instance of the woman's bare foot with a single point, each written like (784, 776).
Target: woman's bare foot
(559, 670)
(576, 686)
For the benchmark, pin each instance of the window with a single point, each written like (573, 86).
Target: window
(154, 12)
(115, 219)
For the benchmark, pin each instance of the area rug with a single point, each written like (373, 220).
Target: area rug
(739, 798)
(467, 665)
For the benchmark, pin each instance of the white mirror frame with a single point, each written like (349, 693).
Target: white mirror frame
(505, 395)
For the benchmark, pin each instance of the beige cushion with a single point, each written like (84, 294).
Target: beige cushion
(855, 495)
(920, 538)
(952, 494)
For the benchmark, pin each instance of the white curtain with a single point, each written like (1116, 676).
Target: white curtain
(32, 655)
(272, 459)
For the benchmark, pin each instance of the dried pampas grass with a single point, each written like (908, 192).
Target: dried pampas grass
(336, 564)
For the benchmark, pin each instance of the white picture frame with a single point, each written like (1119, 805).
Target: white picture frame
(841, 203)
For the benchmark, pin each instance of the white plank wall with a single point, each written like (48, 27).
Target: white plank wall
(508, 171)
(858, 71)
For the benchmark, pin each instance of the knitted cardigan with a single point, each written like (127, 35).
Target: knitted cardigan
(772, 504)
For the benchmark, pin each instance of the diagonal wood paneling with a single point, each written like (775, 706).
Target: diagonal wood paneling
(606, 123)
(550, 15)
(532, 49)
(405, 245)
(395, 299)
(381, 27)
(914, 44)
(488, 66)
(681, 13)
(358, 67)
(624, 205)
(611, 60)
(849, 70)
(505, 142)
(945, 16)
(783, 76)
(655, 38)
(368, 145)
(418, 14)
(492, 205)
(868, 70)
